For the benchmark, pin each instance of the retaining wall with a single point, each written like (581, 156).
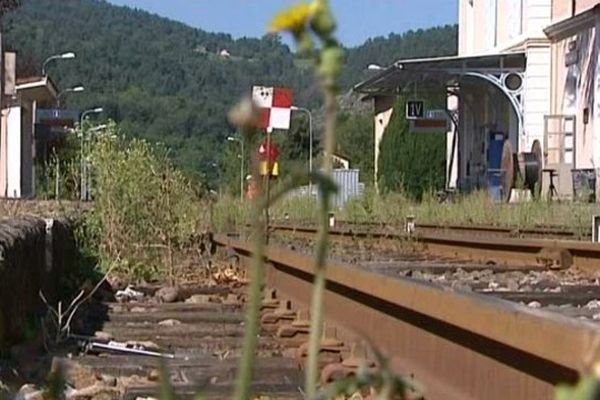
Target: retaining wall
(35, 254)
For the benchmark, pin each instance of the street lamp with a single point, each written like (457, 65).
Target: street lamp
(310, 135)
(75, 89)
(375, 67)
(64, 56)
(97, 110)
(241, 142)
(84, 178)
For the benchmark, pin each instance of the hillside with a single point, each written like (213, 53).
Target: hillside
(166, 81)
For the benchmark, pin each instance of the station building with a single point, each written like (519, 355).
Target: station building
(525, 81)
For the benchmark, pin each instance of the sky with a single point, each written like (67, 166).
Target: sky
(358, 19)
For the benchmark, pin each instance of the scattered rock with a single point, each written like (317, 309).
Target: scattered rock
(534, 304)
(167, 294)
(30, 392)
(104, 336)
(231, 298)
(77, 375)
(109, 380)
(154, 375)
(145, 398)
(199, 299)
(214, 380)
(95, 392)
(169, 322)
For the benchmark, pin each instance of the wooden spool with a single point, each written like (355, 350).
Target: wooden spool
(536, 169)
(509, 173)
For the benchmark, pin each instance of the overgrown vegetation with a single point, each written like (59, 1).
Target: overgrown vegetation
(394, 207)
(145, 210)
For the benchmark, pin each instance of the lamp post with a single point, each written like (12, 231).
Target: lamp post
(375, 67)
(241, 142)
(84, 181)
(310, 144)
(75, 89)
(64, 56)
(84, 114)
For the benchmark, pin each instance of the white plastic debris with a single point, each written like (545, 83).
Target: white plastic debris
(593, 304)
(129, 294)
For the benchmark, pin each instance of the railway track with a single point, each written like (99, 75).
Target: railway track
(199, 337)
(478, 247)
(547, 232)
(462, 329)
(467, 341)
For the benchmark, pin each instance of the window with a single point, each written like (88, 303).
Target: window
(491, 23)
(515, 18)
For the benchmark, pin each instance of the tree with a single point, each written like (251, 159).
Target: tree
(356, 142)
(8, 5)
(164, 81)
(413, 163)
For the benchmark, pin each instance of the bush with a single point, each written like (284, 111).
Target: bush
(145, 210)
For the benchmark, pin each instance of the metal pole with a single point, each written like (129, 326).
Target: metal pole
(57, 180)
(242, 171)
(82, 182)
(310, 155)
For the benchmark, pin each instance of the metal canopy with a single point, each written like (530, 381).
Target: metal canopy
(440, 71)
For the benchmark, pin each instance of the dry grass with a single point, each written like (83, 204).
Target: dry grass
(394, 208)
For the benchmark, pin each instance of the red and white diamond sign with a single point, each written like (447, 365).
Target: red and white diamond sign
(276, 106)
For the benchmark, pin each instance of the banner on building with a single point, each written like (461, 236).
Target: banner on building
(276, 106)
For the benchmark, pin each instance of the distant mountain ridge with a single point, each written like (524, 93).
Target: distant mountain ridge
(166, 81)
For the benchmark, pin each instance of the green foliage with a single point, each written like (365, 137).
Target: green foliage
(164, 81)
(144, 208)
(411, 163)
(356, 141)
(588, 388)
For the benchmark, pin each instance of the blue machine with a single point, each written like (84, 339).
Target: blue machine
(494, 164)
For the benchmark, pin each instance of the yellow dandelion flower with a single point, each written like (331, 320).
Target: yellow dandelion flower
(293, 19)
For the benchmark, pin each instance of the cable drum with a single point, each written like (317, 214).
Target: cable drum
(530, 165)
(508, 170)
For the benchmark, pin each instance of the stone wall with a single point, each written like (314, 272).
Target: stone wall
(35, 254)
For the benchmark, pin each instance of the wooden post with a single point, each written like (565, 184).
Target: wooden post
(268, 184)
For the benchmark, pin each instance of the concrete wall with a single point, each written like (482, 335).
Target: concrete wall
(14, 152)
(562, 9)
(31, 259)
(536, 93)
(487, 26)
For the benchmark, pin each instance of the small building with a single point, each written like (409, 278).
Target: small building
(17, 134)
(525, 79)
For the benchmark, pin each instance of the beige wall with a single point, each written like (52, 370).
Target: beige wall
(574, 92)
(515, 21)
(562, 9)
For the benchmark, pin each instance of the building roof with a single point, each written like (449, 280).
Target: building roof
(42, 89)
(572, 25)
(438, 71)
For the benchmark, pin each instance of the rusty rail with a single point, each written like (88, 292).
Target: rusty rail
(458, 345)
(516, 252)
(554, 232)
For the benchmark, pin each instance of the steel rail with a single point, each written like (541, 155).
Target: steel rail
(555, 232)
(458, 345)
(516, 252)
